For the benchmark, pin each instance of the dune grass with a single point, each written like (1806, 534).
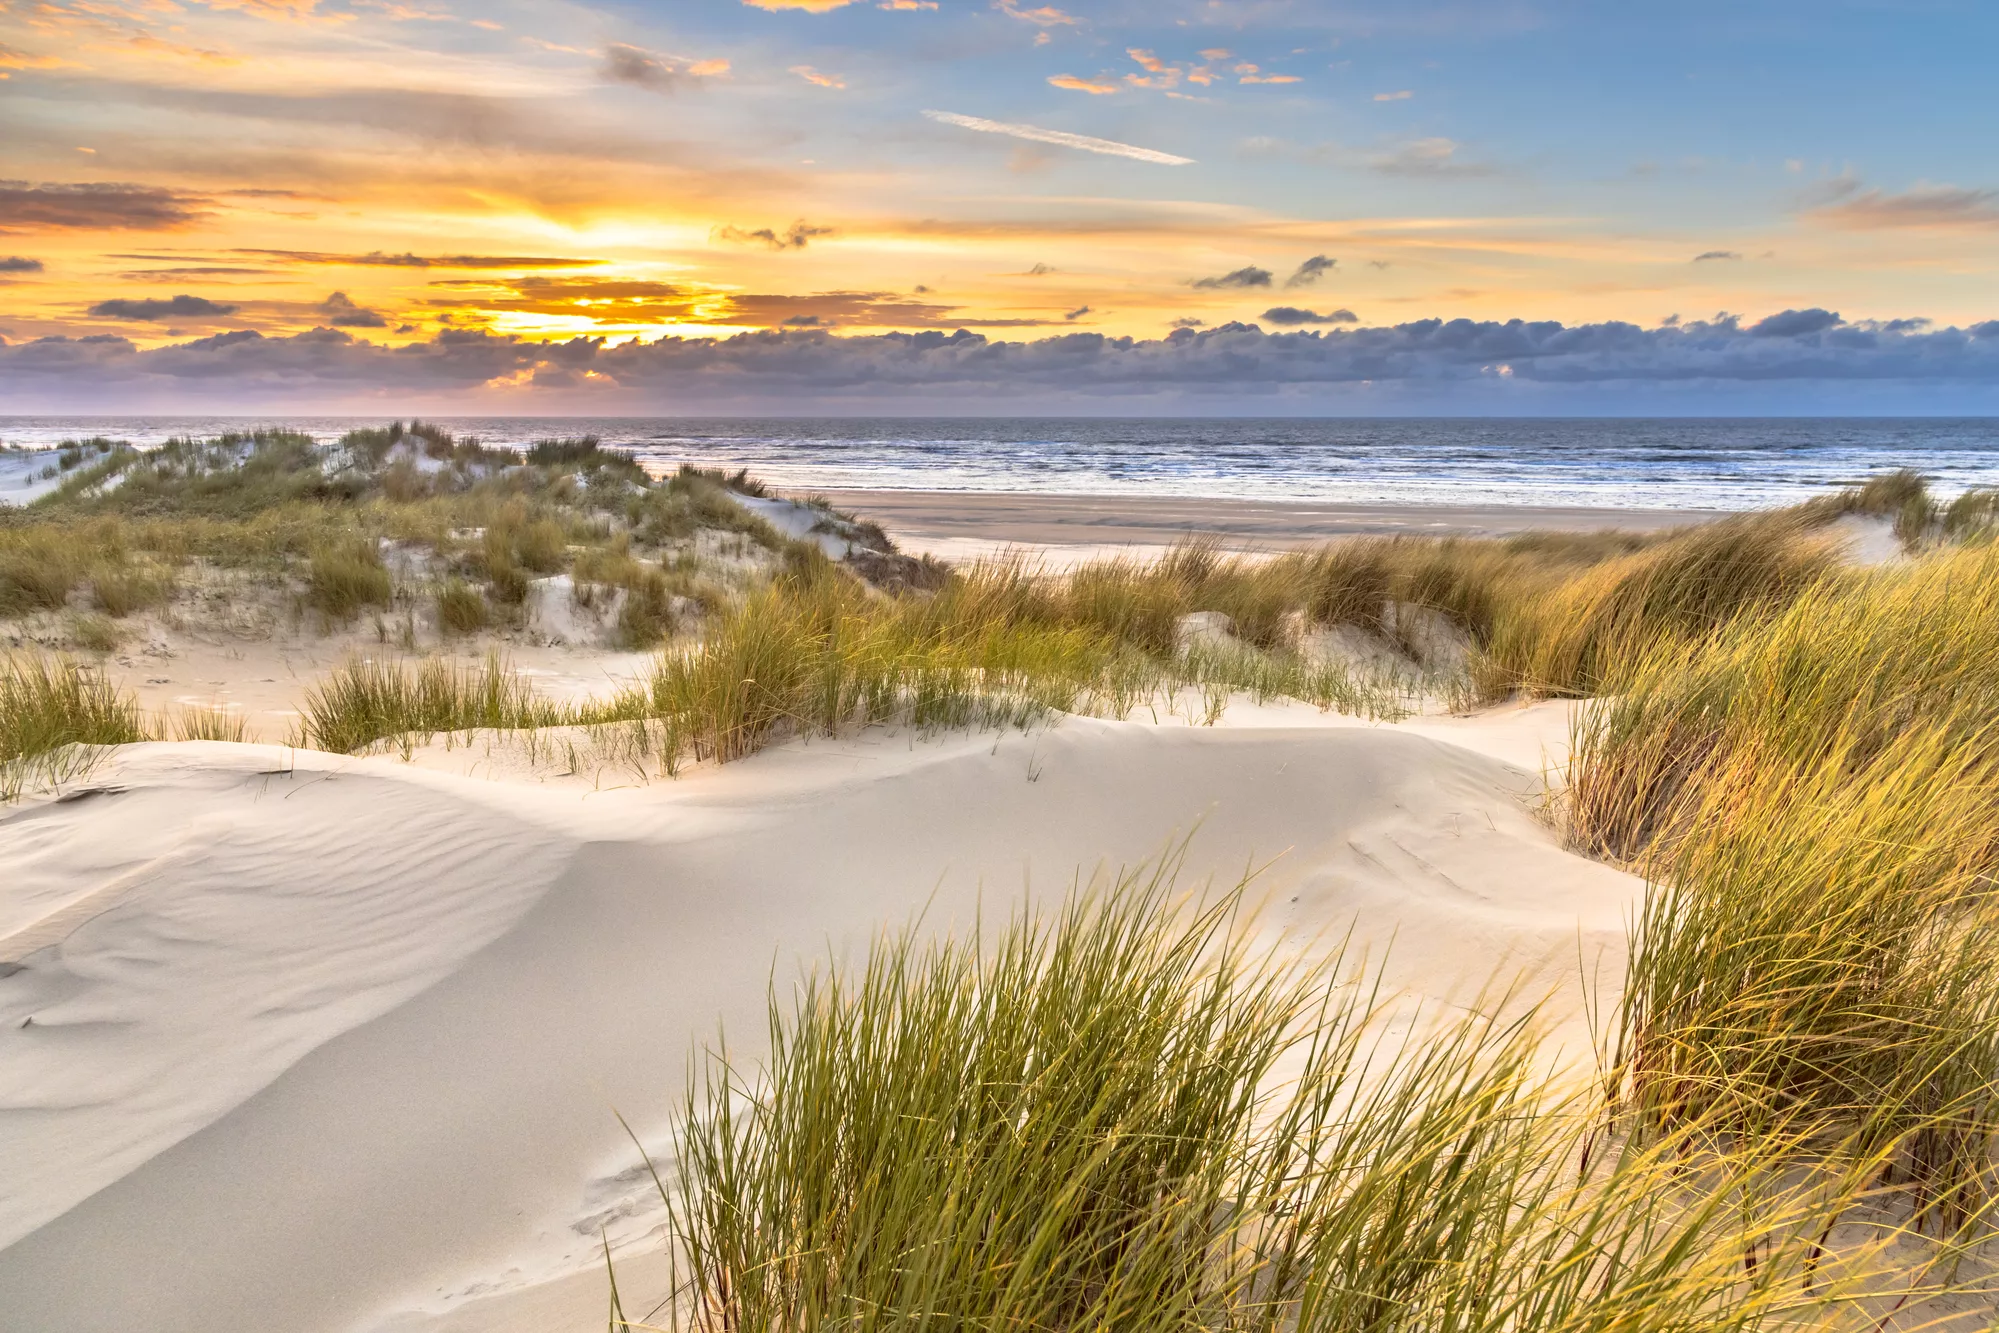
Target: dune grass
(1816, 795)
(1123, 1116)
(345, 577)
(51, 712)
(368, 700)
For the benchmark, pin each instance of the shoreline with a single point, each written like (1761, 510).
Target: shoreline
(968, 524)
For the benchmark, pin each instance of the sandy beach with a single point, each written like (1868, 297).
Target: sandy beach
(961, 525)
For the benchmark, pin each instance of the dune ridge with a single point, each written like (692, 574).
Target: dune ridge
(428, 993)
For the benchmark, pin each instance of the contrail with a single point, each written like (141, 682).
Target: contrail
(1108, 147)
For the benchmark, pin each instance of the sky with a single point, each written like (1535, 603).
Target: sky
(1132, 205)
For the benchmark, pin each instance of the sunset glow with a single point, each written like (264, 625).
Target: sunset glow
(552, 170)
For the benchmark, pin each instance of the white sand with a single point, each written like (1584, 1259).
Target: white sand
(338, 1048)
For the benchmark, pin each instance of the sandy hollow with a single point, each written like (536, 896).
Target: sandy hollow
(330, 1045)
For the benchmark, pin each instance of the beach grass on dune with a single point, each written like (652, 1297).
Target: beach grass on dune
(1079, 1121)
(52, 712)
(367, 700)
(1816, 795)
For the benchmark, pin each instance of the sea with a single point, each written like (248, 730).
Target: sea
(1620, 463)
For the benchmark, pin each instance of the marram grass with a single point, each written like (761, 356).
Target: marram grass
(1816, 797)
(53, 714)
(1124, 1116)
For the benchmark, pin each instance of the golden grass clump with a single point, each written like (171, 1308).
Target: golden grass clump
(461, 608)
(48, 709)
(1816, 794)
(1079, 1123)
(1579, 635)
(371, 700)
(346, 576)
(207, 724)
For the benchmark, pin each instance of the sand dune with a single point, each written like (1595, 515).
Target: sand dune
(338, 1048)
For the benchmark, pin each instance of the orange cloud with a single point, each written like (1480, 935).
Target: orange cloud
(809, 6)
(1098, 87)
(811, 75)
(1048, 16)
(154, 46)
(1940, 207)
(13, 59)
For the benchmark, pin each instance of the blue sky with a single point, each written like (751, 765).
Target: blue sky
(393, 171)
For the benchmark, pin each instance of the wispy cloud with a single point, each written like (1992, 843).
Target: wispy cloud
(159, 307)
(661, 73)
(811, 75)
(1060, 138)
(795, 237)
(1101, 86)
(1309, 272)
(1708, 256)
(809, 6)
(1932, 206)
(1246, 277)
(377, 259)
(1046, 16)
(1434, 156)
(97, 205)
(17, 264)
(1248, 73)
(1401, 95)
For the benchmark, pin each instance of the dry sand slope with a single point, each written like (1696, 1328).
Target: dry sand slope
(337, 1048)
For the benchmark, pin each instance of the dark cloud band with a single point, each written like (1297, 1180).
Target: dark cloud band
(1242, 360)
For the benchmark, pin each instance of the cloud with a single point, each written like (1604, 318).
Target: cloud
(377, 259)
(16, 264)
(1292, 315)
(1232, 362)
(809, 6)
(1795, 324)
(1932, 206)
(1060, 138)
(811, 75)
(14, 58)
(153, 307)
(103, 206)
(1077, 313)
(1435, 156)
(1099, 87)
(1706, 255)
(342, 313)
(1040, 271)
(1249, 276)
(645, 69)
(1401, 95)
(1248, 73)
(1311, 271)
(795, 237)
(1047, 16)
(191, 271)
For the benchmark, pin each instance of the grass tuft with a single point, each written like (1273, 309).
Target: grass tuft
(50, 711)
(347, 576)
(370, 700)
